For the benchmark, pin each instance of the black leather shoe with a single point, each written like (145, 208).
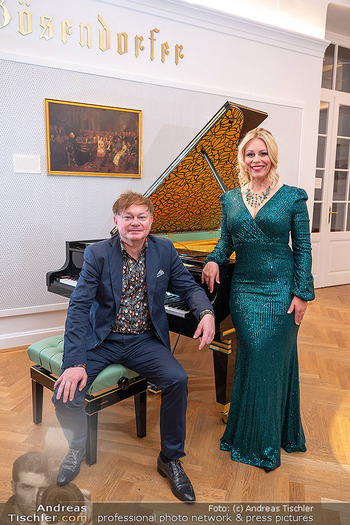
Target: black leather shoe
(70, 467)
(180, 484)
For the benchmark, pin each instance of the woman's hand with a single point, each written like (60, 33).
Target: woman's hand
(211, 275)
(298, 306)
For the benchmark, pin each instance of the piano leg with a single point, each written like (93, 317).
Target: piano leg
(224, 364)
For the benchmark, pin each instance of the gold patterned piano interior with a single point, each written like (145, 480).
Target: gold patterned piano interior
(186, 197)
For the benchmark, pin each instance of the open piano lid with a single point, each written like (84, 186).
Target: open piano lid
(186, 197)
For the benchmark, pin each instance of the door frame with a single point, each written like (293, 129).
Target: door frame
(327, 245)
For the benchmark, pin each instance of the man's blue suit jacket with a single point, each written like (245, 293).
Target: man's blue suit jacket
(95, 301)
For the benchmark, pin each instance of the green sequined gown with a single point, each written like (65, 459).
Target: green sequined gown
(265, 407)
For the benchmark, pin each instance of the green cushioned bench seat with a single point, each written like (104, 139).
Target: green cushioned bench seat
(114, 384)
(48, 353)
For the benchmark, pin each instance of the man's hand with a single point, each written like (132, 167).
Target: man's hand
(69, 381)
(298, 306)
(205, 330)
(211, 275)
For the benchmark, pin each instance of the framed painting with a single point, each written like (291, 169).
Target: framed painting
(90, 140)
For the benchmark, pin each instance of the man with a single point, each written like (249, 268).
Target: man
(30, 476)
(116, 315)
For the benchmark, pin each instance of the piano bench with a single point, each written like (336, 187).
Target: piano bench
(114, 384)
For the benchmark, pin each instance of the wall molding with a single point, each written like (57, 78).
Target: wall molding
(23, 326)
(218, 21)
(336, 38)
(9, 341)
(28, 310)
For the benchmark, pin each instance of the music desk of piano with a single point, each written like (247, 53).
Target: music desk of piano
(186, 199)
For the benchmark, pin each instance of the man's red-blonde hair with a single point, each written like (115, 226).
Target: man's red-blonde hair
(129, 198)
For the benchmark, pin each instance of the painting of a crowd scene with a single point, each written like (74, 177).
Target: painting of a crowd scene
(85, 139)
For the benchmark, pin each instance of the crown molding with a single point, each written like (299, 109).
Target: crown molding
(211, 19)
(336, 38)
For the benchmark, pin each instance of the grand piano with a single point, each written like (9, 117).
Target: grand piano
(186, 199)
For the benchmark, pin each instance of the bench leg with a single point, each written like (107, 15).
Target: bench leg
(37, 401)
(91, 442)
(140, 413)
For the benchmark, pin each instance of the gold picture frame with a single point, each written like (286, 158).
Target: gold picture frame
(91, 140)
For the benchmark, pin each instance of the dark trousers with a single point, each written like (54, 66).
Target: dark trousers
(147, 356)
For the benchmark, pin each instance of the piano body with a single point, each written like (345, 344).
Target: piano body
(186, 199)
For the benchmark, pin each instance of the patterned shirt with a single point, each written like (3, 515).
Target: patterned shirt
(133, 316)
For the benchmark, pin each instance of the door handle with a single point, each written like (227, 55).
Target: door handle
(330, 212)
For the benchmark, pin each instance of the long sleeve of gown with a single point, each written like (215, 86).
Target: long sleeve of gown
(224, 248)
(302, 286)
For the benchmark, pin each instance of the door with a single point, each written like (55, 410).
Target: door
(331, 217)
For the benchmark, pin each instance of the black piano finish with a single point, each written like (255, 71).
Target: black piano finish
(184, 325)
(70, 270)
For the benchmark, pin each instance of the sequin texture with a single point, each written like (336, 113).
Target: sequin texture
(265, 406)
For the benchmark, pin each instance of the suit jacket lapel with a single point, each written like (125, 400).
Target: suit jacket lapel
(151, 271)
(116, 268)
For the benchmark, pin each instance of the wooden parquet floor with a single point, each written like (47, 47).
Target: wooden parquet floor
(126, 469)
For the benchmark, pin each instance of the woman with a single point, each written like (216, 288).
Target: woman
(123, 151)
(271, 285)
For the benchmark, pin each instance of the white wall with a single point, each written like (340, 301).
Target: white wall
(225, 58)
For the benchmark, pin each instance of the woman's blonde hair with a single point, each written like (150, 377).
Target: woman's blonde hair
(272, 149)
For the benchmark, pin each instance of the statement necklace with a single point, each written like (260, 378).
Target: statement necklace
(256, 199)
